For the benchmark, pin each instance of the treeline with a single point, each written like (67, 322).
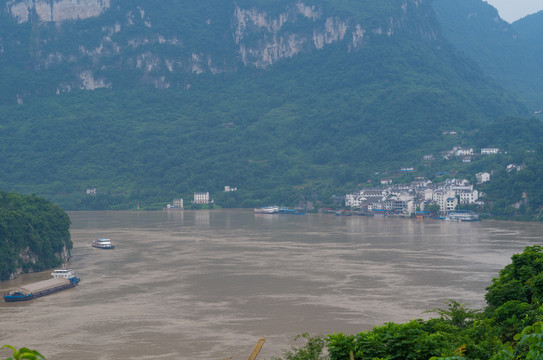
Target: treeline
(518, 193)
(34, 234)
(507, 328)
(312, 125)
(261, 132)
(514, 190)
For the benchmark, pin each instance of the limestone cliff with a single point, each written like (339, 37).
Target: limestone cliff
(133, 36)
(56, 10)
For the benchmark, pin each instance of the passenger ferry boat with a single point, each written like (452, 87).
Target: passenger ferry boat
(103, 243)
(62, 279)
(460, 215)
(267, 210)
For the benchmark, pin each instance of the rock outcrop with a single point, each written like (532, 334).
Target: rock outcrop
(132, 37)
(56, 10)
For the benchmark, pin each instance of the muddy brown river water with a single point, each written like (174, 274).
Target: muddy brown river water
(196, 285)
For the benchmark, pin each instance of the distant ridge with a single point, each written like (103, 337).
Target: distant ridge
(510, 53)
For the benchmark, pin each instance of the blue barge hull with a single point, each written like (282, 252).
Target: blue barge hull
(43, 288)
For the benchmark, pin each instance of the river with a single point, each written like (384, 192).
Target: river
(186, 284)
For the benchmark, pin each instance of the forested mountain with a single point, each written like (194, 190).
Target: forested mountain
(34, 235)
(285, 100)
(510, 53)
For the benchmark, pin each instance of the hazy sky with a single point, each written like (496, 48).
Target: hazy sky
(511, 10)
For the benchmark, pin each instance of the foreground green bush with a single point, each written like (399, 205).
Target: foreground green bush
(31, 227)
(24, 353)
(410, 341)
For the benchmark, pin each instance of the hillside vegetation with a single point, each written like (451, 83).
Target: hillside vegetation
(34, 234)
(510, 53)
(162, 122)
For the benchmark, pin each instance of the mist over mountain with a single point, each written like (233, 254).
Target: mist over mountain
(510, 53)
(285, 100)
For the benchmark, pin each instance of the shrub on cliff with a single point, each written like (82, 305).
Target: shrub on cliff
(34, 234)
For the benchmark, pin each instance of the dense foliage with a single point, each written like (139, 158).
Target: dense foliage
(518, 193)
(508, 328)
(34, 234)
(310, 126)
(263, 132)
(23, 353)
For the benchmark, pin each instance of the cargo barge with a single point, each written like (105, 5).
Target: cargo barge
(62, 279)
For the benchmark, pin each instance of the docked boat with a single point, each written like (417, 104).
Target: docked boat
(291, 211)
(62, 279)
(267, 210)
(103, 243)
(460, 215)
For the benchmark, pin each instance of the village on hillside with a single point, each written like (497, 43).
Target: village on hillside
(451, 199)
(422, 198)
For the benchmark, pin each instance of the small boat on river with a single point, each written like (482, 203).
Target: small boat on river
(267, 210)
(62, 279)
(291, 211)
(103, 243)
(460, 215)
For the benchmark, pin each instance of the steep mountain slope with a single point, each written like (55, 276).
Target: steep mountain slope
(282, 99)
(510, 53)
(98, 43)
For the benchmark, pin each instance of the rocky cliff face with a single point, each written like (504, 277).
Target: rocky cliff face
(28, 258)
(274, 42)
(56, 10)
(132, 37)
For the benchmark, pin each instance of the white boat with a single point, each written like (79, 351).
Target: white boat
(103, 243)
(63, 273)
(460, 215)
(267, 210)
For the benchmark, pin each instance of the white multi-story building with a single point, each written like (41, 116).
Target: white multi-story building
(353, 200)
(489, 151)
(464, 152)
(445, 198)
(402, 204)
(482, 177)
(468, 196)
(451, 204)
(176, 204)
(428, 157)
(201, 198)
(428, 194)
(365, 197)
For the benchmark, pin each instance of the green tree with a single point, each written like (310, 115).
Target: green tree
(457, 314)
(514, 298)
(532, 336)
(432, 208)
(35, 225)
(313, 349)
(24, 353)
